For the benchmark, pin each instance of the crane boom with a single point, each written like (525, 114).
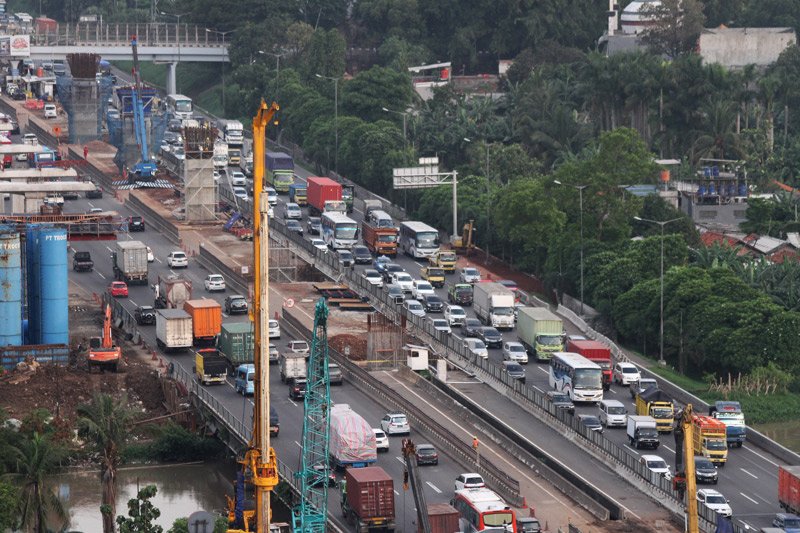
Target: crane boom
(145, 168)
(684, 465)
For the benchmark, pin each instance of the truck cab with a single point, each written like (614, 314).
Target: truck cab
(298, 194)
(730, 413)
(444, 259)
(655, 403)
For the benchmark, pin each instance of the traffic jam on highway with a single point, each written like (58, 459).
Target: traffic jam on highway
(200, 324)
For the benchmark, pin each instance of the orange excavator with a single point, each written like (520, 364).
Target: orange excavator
(103, 353)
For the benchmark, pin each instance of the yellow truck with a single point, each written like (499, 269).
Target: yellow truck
(444, 259)
(656, 403)
(210, 367)
(710, 439)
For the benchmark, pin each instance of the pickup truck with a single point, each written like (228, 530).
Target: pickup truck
(82, 262)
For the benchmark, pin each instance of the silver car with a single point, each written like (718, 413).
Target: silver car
(455, 315)
(470, 275)
(515, 351)
(477, 347)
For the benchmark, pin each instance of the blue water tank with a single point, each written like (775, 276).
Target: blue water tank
(10, 290)
(33, 292)
(701, 190)
(742, 189)
(54, 327)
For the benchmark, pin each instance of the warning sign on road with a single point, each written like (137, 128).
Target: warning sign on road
(288, 302)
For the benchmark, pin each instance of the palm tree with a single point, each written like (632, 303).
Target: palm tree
(718, 137)
(31, 462)
(106, 423)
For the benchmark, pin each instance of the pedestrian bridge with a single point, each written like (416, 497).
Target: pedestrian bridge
(156, 42)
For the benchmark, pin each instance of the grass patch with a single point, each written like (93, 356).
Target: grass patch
(173, 443)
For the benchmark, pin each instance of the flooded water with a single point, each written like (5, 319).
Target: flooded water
(182, 490)
(786, 433)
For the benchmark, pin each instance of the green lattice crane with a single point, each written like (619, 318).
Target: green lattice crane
(310, 516)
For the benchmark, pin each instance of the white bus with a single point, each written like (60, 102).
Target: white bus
(480, 509)
(418, 239)
(338, 230)
(180, 106)
(575, 375)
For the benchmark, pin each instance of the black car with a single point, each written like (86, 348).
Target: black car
(294, 225)
(145, 315)
(705, 471)
(426, 455)
(346, 258)
(297, 390)
(135, 223)
(560, 400)
(175, 125)
(171, 137)
(395, 293)
(18, 95)
(362, 255)
(69, 195)
(432, 303)
(591, 422)
(490, 337)
(389, 269)
(96, 193)
(235, 303)
(331, 476)
(514, 370)
(471, 327)
(314, 225)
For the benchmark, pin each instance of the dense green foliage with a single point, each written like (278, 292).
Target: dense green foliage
(173, 443)
(141, 513)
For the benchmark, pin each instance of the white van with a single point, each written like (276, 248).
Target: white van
(613, 413)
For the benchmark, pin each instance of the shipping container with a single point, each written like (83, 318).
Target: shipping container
(235, 343)
(789, 488)
(51, 354)
(541, 332)
(53, 283)
(370, 492)
(321, 190)
(442, 517)
(10, 290)
(206, 319)
(173, 329)
(172, 292)
(130, 262)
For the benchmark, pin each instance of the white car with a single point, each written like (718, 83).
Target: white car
(420, 287)
(395, 424)
(319, 244)
(470, 275)
(272, 196)
(240, 192)
(298, 347)
(515, 351)
(214, 282)
(381, 440)
(177, 259)
(292, 212)
(455, 315)
(414, 307)
(477, 347)
(403, 280)
(373, 277)
(626, 373)
(150, 256)
(274, 329)
(714, 501)
(50, 111)
(30, 138)
(656, 464)
(440, 324)
(238, 179)
(469, 480)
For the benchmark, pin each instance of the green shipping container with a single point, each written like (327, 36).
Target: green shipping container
(235, 342)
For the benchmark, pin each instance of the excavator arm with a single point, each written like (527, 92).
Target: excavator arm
(684, 480)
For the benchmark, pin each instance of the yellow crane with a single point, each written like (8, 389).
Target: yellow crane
(259, 465)
(684, 480)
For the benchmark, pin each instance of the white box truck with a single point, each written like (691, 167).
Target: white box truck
(494, 305)
(173, 329)
(540, 331)
(129, 262)
(292, 365)
(220, 157)
(642, 432)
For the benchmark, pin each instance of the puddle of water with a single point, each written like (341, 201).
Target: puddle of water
(182, 490)
(786, 433)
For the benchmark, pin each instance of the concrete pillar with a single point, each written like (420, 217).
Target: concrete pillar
(33, 202)
(171, 78)
(17, 203)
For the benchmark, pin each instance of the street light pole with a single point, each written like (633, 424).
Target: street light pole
(277, 69)
(661, 319)
(335, 119)
(404, 115)
(580, 195)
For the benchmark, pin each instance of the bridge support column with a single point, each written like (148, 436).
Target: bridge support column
(171, 78)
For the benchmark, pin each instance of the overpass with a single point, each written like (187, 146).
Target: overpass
(158, 42)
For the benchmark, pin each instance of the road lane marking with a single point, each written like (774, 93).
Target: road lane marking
(401, 460)
(758, 454)
(612, 391)
(667, 447)
(99, 274)
(396, 493)
(159, 260)
(419, 264)
(748, 473)
(90, 204)
(764, 500)
(109, 249)
(469, 433)
(749, 498)
(631, 449)
(434, 487)
(543, 370)
(172, 272)
(299, 445)
(134, 303)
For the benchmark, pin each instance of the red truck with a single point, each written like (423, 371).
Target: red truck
(381, 241)
(789, 488)
(324, 194)
(442, 517)
(596, 352)
(367, 498)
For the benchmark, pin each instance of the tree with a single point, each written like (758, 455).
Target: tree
(676, 26)
(32, 462)
(106, 425)
(9, 506)
(141, 513)
(369, 91)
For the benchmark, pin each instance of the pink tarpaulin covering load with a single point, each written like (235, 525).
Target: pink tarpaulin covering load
(352, 439)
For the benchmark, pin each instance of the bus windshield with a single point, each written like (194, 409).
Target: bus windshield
(183, 106)
(346, 231)
(427, 239)
(587, 378)
(500, 518)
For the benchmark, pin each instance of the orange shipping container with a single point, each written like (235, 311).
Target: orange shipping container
(206, 319)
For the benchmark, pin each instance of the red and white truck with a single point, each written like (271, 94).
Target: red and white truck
(324, 194)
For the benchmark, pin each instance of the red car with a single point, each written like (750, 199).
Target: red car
(118, 288)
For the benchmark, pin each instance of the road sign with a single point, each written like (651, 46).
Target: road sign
(416, 177)
(288, 302)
